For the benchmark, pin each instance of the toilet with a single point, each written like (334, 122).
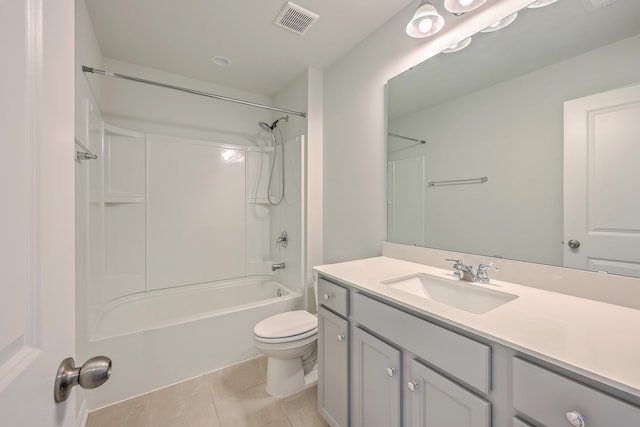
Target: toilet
(289, 340)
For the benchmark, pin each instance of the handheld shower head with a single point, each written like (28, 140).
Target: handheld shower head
(265, 127)
(272, 126)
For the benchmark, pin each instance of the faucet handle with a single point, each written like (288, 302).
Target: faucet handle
(460, 269)
(482, 276)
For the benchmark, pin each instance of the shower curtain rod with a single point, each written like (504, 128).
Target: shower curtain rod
(183, 89)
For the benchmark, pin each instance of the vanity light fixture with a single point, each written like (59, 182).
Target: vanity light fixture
(500, 24)
(458, 7)
(426, 21)
(541, 3)
(458, 46)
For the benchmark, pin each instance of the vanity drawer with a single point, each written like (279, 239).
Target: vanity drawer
(334, 297)
(545, 396)
(459, 356)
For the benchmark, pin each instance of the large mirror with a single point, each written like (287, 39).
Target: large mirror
(526, 144)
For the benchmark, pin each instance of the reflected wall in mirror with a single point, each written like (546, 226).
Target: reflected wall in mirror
(518, 106)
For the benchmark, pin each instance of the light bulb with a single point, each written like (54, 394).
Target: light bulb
(425, 25)
(458, 7)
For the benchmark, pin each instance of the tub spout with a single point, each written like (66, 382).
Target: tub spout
(277, 266)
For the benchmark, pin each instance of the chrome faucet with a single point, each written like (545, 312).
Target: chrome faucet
(461, 270)
(465, 272)
(277, 266)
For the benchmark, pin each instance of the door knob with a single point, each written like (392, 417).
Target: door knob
(95, 372)
(574, 244)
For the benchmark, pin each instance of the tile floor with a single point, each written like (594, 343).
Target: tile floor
(231, 397)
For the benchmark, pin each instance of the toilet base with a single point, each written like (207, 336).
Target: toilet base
(286, 377)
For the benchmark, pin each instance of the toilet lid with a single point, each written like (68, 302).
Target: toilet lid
(288, 324)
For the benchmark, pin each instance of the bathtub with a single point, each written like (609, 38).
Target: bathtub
(163, 337)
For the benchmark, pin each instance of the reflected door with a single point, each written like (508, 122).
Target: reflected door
(602, 182)
(406, 200)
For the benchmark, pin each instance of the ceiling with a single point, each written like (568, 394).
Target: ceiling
(182, 37)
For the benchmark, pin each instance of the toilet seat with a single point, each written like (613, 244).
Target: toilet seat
(286, 327)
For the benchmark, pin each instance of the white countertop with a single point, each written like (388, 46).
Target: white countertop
(595, 339)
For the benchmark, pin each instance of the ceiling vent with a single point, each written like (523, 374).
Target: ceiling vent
(295, 18)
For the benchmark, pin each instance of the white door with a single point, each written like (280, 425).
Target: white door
(36, 216)
(602, 182)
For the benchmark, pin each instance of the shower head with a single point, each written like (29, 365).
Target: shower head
(265, 127)
(272, 126)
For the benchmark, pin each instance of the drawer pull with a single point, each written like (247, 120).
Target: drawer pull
(576, 419)
(340, 337)
(391, 371)
(328, 295)
(412, 386)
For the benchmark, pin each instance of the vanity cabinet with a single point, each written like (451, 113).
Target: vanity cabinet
(384, 364)
(377, 382)
(333, 353)
(384, 390)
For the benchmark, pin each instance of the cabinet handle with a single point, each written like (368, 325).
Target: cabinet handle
(340, 337)
(391, 371)
(328, 295)
(576, 419)
(412, 386)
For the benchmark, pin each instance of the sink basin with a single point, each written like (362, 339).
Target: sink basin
(455, 293)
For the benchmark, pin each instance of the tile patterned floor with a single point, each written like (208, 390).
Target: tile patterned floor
(232, 397)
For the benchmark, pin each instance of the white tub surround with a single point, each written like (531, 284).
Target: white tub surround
(593, 339)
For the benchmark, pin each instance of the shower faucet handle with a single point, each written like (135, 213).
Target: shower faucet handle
(283, 239)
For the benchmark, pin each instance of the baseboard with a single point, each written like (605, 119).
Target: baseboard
(82, 415)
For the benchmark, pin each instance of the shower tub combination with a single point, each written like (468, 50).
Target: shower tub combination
(176, 280)
(163, 337)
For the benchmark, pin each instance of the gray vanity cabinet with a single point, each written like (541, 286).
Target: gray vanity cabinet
(386, 393)
(376, 382)
(333, 353)
(382, 364)
(438, 402)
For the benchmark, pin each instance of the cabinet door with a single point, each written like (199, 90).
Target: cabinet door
(376, 382)
(438, 402)
(333, 368)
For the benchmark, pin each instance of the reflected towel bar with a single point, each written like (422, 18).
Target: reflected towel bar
(419, 141)
(459, 181)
